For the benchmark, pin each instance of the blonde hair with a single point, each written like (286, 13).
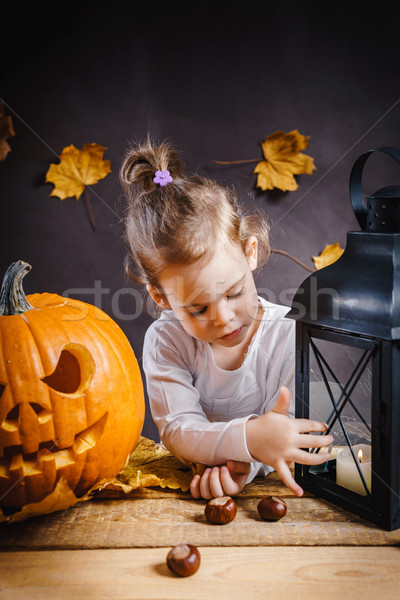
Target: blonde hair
(181, 222)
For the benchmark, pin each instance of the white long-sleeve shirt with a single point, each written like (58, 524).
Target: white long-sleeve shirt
(201, 409)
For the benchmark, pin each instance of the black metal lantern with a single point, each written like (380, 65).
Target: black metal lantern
(348, 359)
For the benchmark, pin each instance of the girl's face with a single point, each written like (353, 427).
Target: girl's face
(216, 302)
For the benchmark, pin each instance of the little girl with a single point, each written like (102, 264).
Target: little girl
(219, 361)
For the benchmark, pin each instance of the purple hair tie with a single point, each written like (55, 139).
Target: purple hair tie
(162, 178)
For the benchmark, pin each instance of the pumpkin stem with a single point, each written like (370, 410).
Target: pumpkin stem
(12, 297)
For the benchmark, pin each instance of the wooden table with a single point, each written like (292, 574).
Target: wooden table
(114, 546)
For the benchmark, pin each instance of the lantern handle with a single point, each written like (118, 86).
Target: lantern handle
(356, 194)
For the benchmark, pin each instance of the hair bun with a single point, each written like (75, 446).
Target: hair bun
(143, 160)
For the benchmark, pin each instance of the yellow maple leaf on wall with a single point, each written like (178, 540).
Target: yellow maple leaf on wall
(329, 255)
(76, 169)
(283, 160)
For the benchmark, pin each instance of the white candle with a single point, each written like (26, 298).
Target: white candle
(347, 474)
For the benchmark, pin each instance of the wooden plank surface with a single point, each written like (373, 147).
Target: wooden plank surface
(156, 522)
(236, 573)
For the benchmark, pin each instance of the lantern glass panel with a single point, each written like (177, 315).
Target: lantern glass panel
(340, 394)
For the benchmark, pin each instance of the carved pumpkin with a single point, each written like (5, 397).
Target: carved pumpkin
(71, 394)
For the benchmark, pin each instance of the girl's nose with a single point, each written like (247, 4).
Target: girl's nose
(223, 314)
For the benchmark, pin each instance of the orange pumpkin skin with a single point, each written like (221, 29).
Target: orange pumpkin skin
(72, 401)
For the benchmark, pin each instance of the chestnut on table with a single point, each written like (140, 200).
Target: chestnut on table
(271, 508)
(184, 560)
(221, 511)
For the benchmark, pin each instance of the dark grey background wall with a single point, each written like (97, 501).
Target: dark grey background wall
(214, 79)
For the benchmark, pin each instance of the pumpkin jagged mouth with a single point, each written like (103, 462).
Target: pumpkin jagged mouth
(14, 460)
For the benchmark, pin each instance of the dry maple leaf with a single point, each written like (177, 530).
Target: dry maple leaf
(283, 160)
(6, 131)
(77, 169)
(329, 255)
(151, 464)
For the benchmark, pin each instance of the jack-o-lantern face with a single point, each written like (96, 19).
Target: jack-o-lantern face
(71, 398)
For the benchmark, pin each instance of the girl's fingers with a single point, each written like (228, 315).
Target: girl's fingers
(205, 491)
(229, 485)
(283, 402)
(215, 483)
(314, 441)
(285, 474)
(310, 458)
(306, 425)
(195, 487)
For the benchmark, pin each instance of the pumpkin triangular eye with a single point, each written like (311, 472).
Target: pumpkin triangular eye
(2, 388)
(14, 412)
(74, 370)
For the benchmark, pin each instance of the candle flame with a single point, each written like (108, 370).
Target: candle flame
(360, 455)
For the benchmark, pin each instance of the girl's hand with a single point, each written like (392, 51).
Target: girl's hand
(277, 440)
(227, 480)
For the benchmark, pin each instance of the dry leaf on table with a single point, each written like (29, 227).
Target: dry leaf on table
(152, 465)
(6, 131)
(283, 160)
(76, 170)
(329, 255)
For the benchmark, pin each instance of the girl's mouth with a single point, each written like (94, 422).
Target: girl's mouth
(232, 335)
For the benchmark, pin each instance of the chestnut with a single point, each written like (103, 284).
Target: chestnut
(271, 508)
(221, 510)
(183, 560)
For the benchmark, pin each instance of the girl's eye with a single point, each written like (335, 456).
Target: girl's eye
(236, 295)
(198, 312)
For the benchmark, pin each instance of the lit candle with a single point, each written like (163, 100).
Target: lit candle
(347, 474)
